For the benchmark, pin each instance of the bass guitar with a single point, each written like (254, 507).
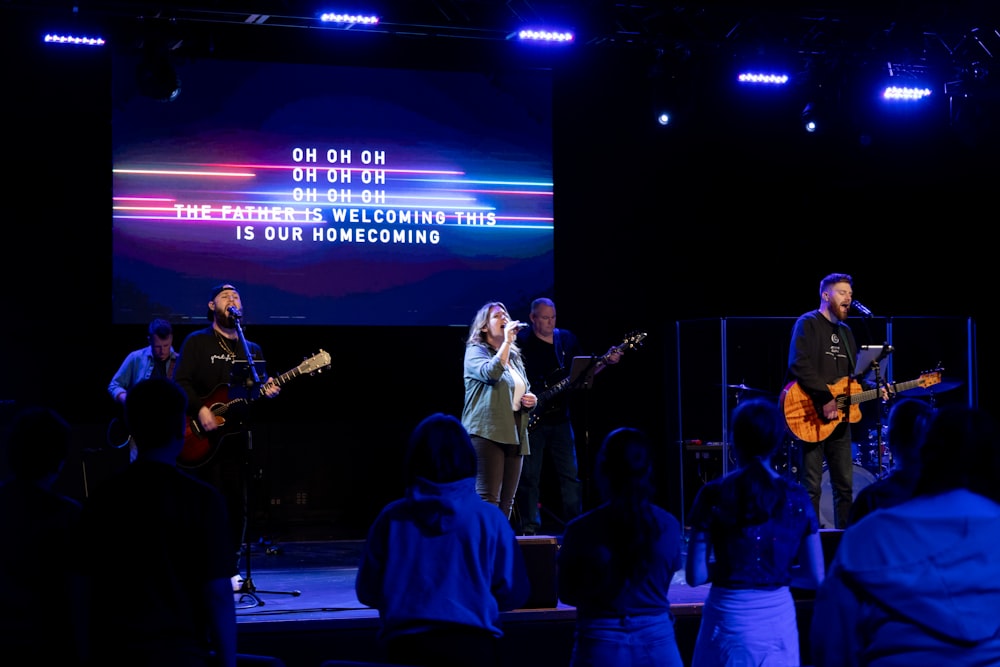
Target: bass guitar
(805, 422)
(200, 446)
(631, 342)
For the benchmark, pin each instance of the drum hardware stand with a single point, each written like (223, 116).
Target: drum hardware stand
(880, 446)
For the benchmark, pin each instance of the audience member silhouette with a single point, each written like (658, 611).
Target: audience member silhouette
(439, 564)
(155, 550)
(908, 421)
(919, 583)
(617, 561)
(38, 524)
(763, 532)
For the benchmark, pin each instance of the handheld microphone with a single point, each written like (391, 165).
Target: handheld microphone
(521, 325)
(861, 309)
(234, 312)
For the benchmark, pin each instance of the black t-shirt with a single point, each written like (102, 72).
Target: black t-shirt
(548, 363)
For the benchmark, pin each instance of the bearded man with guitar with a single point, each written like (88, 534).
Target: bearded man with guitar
(204, 372)
(548, 353)
(822, 354)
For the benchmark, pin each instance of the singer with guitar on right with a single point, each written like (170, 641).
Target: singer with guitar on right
(822, 353)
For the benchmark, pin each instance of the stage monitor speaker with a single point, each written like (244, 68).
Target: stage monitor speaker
(540, 560)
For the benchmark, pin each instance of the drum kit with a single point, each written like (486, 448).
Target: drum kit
(872, 457)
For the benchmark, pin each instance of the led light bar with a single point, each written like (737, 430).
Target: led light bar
(554, 36)
(74, 40)
(758, 78)
(353, 19)
(905, 93)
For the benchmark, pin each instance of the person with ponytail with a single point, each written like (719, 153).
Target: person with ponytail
(617, 561)
(754, 535)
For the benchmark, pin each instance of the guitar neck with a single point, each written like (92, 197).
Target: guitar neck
(285, 377)
(869, 394)
(562, 384)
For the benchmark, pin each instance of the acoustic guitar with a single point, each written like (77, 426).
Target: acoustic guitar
(808, 425)
(201, 446)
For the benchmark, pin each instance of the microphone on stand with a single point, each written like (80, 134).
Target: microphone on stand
(861, 308)
(234, 312)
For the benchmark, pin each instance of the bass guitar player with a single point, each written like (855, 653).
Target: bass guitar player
(823, 353)
(547, 352)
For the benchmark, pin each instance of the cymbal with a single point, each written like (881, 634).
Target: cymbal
(937, 388)
(743, 387)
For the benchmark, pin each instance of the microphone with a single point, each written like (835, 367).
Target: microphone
(234, 312)
(861, 309)
(521, 325)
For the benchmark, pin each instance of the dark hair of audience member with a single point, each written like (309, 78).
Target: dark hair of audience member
(155, 411)
(439, 450)
(757, 430)
(961, 451)
(28, 459)
(624, 474)
(908, 422)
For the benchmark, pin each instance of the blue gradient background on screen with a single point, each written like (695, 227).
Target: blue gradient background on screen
(191, 178)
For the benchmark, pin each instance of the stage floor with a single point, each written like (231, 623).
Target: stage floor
(301, 607)
(315, 581)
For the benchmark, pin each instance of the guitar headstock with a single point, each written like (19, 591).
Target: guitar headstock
(633, 341)
(316, 363)
(930, 378)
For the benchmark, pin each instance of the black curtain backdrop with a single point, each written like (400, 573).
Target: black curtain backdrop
(729, 218)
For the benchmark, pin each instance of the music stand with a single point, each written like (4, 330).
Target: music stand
(243, 383)
(870, 355)
(582, 371)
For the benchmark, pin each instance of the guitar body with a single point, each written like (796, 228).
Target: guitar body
(201, 445)
(802, 417)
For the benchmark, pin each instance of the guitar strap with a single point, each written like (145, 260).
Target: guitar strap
(557, 339)
(851, 358)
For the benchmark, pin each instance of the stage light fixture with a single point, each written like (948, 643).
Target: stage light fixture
(905, 93)
(810, 120)
(545, 36)
(348, 19)
(664, 118)
(73, 40)
(767, 79)
(155, 76)
(906, 83)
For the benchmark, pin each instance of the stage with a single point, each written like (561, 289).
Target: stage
(304, 609)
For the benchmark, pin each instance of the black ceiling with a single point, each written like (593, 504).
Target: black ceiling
(814, 26)
(957, 39)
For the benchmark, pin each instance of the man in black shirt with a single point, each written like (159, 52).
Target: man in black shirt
(822, 355)
(548, 355)
(204, 372)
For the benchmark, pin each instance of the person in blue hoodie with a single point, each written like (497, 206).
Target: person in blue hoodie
(439, 564)
(919, 583)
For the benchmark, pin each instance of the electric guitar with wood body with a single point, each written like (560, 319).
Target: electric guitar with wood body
(200, 445)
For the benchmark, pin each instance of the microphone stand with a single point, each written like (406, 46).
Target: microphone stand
(880, 447)
(248, 590)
